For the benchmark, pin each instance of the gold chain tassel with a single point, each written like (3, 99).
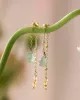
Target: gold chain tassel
(35, 65)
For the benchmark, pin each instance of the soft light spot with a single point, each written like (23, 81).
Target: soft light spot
(78, 48)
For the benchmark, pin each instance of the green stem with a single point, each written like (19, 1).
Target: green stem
(32, 29)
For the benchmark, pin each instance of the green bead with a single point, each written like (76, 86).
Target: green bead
(30, 57)
(43, 61)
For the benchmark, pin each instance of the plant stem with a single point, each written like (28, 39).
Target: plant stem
(33, 30)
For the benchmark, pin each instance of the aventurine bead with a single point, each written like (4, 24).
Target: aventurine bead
(30, 57)
(43, 61)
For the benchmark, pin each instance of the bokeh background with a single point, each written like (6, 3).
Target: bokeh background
(64, 58)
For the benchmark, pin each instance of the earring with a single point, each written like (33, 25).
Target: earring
(44, 60)
(35, 61)
(32, 55)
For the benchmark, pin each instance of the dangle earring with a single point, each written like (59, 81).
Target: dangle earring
(44, 60)
(35, 61)
(32, 55)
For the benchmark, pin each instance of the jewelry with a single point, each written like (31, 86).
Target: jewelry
(44, 60)
(35, 62)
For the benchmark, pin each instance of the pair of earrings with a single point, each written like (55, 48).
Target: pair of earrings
(32, 57)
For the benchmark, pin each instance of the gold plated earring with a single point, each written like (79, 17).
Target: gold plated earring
(35, 62)
(44, 60)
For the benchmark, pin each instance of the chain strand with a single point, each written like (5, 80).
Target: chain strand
(45, 47)
(35, 65)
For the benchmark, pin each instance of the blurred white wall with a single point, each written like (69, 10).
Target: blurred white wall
(64, 59)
